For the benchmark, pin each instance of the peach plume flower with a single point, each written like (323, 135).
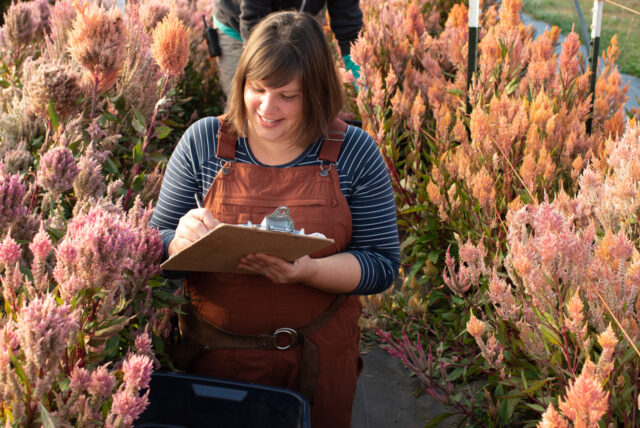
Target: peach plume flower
(170, 47)
(585, 402)
(552, 419)
(475, 327)
(97, 42)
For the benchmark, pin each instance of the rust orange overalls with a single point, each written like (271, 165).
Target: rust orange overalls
(253, 305)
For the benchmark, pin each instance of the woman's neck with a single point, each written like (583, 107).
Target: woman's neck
(273, 153)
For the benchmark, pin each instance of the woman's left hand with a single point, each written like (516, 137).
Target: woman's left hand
(277, 269)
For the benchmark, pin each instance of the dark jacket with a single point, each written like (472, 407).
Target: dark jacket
(242, 15)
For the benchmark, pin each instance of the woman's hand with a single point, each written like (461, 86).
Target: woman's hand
(338, 273)
(277, 269)
(192, 226)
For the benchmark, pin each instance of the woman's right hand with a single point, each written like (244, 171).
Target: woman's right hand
(192, 226)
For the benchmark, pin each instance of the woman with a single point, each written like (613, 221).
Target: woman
(293, 325)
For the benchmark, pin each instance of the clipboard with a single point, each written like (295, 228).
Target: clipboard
(220, 250)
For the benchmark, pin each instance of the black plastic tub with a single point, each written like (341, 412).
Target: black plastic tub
(186, 401)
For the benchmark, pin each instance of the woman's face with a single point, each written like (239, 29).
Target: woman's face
(274, 114)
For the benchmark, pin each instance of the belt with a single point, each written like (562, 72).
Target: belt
(200, 336)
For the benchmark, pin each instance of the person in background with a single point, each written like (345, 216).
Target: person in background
(235, 20)
(285, 324)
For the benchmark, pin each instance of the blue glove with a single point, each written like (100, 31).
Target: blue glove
(350, 65)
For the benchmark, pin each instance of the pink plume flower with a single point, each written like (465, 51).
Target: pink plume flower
(20, 24)
(101, 382)
(9, 252)
(79, 380)
(11, 192)
(41, 245)
(143, 343)
(44, 329)
(57, 170)
(128, 406)
(136, 371)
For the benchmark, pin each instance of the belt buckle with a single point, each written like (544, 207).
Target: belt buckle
(293, 335)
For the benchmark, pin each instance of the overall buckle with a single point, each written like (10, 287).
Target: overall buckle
(293, 336)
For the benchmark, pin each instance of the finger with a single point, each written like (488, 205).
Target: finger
(194, 223)
(207, 218)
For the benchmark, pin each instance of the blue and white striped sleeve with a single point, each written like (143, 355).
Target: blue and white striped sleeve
(374, 241)
(183, 178)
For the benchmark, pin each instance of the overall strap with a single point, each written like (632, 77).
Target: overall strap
(333, 141)
(227, 139)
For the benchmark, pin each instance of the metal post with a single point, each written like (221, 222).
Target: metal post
(596, 26)
(472, 56)
(583, 24)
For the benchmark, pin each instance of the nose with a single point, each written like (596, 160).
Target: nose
(268, 102)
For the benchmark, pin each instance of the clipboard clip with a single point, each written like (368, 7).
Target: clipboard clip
(279, 220)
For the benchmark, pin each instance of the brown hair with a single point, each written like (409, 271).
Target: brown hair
(283, 46)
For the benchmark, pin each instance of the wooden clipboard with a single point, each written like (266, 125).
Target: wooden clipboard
(220, 250)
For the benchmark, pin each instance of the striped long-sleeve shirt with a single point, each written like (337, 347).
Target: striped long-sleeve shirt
(364, 180)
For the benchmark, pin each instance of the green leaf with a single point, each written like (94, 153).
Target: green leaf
(109, 116)
(138, 182)
(162, 132)
(139, 127)
(55, 234)
(138, 156)
(46, 419)
(550, 335)
(111, 167)
(17, 366)
(433, 422)
(456, 374)
(433, 256)
(55, 119)
(511, 87)
(140, 118)
(536, 407)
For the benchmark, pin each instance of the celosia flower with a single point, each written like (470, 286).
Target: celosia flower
(552, 419)
(79, 380)
(102, 243)
(56, 83)
(101, 382)
(128, 406)
(11, 208)
(40, 248)
(152, 13)
(20, 24)
(89, 183)
(62, 16)
(97, 42)
(17, 160)
(136, 371)
(41, 245)
(9, 252)
(170, 47)
(57, 170)
(143, 343)
(44, 329)
(458, 282)
(608, 341)
(585, 402)
(475, 327)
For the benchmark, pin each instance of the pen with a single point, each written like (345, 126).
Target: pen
(198, 198)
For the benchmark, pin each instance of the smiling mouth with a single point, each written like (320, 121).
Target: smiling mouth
(267, 121)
